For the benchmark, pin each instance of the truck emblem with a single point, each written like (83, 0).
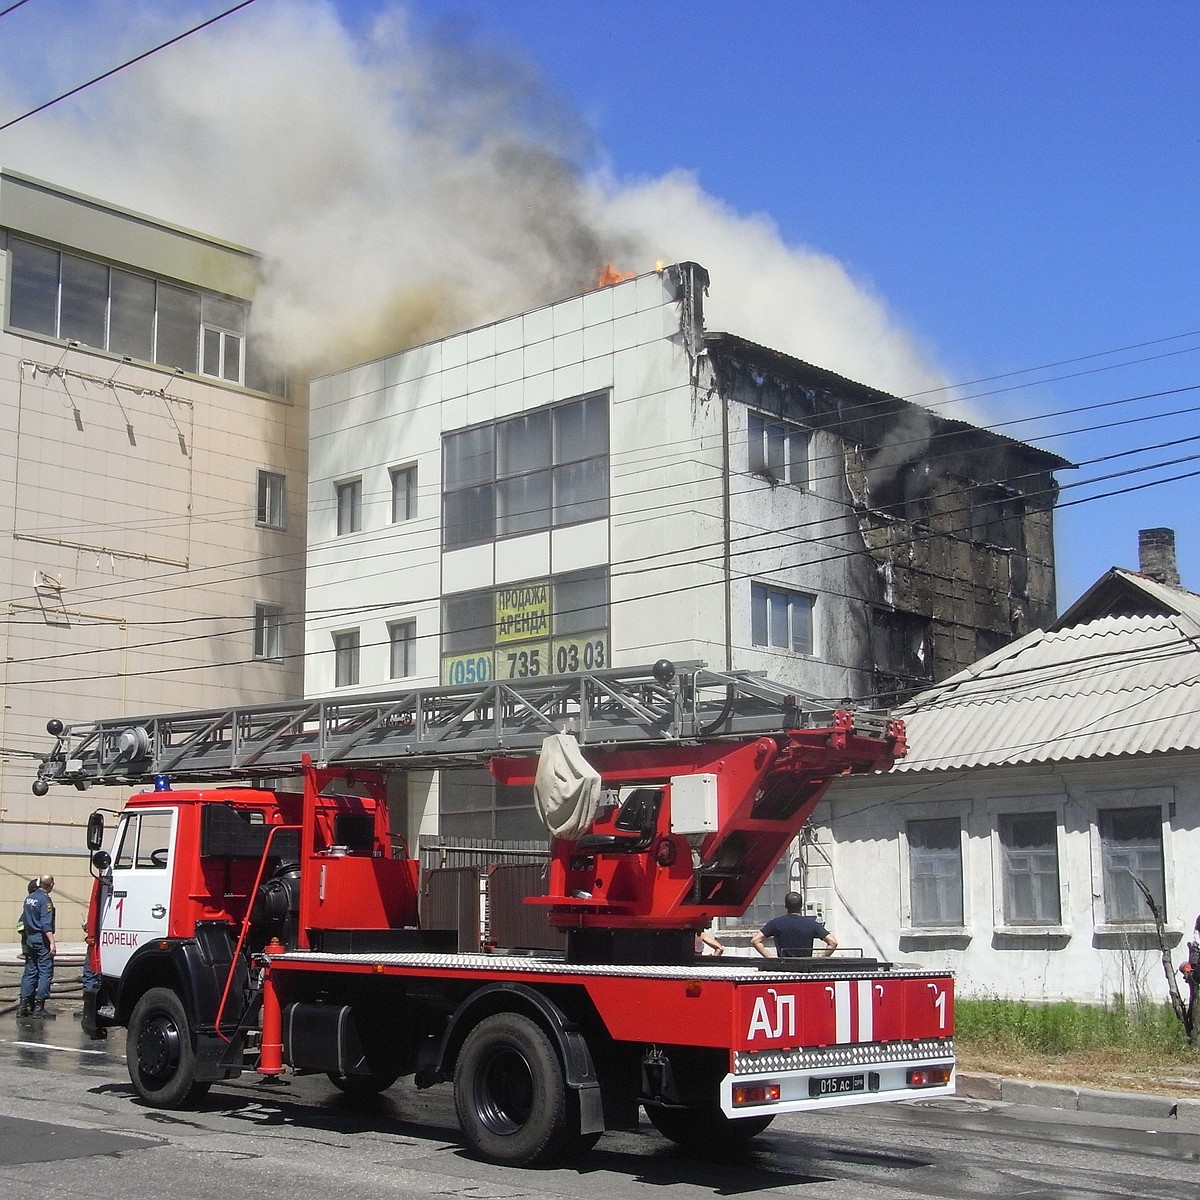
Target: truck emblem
(760, 1018)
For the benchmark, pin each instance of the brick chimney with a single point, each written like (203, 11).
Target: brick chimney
(1156, 555)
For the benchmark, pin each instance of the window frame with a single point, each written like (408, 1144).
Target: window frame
(908, 926)
(268, 632)
(271, 499)
(161, 350)
(1157, 799)
(347, 657)
(1003, 920)
(539, 476)
(348, 506)
(792, 597)
(408, 474)
(409, 643)
(779, 450)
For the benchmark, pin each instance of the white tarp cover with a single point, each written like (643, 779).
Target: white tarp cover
(566, 789)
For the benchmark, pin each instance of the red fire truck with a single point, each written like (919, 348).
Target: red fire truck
(272, 920)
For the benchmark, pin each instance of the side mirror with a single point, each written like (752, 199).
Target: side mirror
(95, 831)
(101, 860)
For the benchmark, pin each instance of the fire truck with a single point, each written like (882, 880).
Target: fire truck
(266, 917)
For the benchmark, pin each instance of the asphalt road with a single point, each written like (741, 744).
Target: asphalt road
(71, 1127)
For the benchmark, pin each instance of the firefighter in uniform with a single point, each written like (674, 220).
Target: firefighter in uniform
(38, 919)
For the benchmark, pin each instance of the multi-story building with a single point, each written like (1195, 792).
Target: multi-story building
(604, 481)
(152, 497)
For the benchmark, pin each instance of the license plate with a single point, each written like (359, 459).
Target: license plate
(836, 1085)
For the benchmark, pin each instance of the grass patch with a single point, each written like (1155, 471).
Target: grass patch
(1064, 1027)
(1142, 1047)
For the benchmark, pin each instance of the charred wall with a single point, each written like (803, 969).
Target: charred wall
(948, 528)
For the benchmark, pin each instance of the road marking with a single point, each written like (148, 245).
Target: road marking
(66, 1049)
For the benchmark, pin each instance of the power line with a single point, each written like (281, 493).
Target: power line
(128, 63)
(12, 8)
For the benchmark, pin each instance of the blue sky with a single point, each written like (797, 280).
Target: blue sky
(1010, 185)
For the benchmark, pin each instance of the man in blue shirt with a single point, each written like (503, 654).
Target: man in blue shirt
(794, 933)
(38, 919)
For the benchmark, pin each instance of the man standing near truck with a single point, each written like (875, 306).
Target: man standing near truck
(38, 918)
(794, 933)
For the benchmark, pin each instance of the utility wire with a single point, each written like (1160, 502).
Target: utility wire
(179, 37)
(12, 8)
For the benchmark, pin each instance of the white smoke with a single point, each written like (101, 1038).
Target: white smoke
(402, 186)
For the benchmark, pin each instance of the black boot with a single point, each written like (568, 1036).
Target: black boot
(39, 1010)
(26, 1007)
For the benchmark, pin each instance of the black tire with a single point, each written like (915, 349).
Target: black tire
(160, 1053)
(705, 1131)
(513, 1102)
(360, 1087)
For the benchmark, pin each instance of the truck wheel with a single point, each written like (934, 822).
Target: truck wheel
(706, 1130)
(513, 1102)
(159, 1052)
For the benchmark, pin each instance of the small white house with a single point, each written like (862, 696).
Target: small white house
(1042, 785)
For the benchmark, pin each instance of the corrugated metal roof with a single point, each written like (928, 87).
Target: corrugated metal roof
(1114, 686)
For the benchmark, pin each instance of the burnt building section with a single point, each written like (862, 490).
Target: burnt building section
(937, 535)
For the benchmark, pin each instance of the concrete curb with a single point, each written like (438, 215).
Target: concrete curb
(1184, 1109)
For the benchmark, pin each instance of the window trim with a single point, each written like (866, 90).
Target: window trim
(792, 594)
(1023, 806)
(158, 282)
(354, 488)
(263, 630)
(411, 647)
(758, 455)
(1160, 797)
(263, 511)
(352, 649)
(933, 812)
(491, 486)
(409, 472)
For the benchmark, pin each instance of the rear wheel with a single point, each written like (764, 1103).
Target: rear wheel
(705, 1130)
(513, 1101)
(160, 1053)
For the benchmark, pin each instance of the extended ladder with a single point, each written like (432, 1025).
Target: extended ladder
(433, 727)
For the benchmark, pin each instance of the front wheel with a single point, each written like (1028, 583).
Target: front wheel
(513, 1102)
(160, 1053)
(705, 1130)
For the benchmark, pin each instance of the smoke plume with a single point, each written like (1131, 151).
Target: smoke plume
(402, 184)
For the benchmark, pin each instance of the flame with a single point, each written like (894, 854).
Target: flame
(611, 275)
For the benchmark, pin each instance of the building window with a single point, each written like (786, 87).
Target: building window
(272, 500)
(901, 653)
(781, 620)
(222, 338)
(1131, 847)
(402, 639)
(349, 506)
(545, 468)
(345, 658)
(935, 873)
(1029, 862)
(268, 631)
(536, 627)
(63, 295)
(471, 804)
(779, 451)
(404, 494)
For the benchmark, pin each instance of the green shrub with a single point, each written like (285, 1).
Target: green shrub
(1064, 1027)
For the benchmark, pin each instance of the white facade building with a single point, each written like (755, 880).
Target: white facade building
(603, 481)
